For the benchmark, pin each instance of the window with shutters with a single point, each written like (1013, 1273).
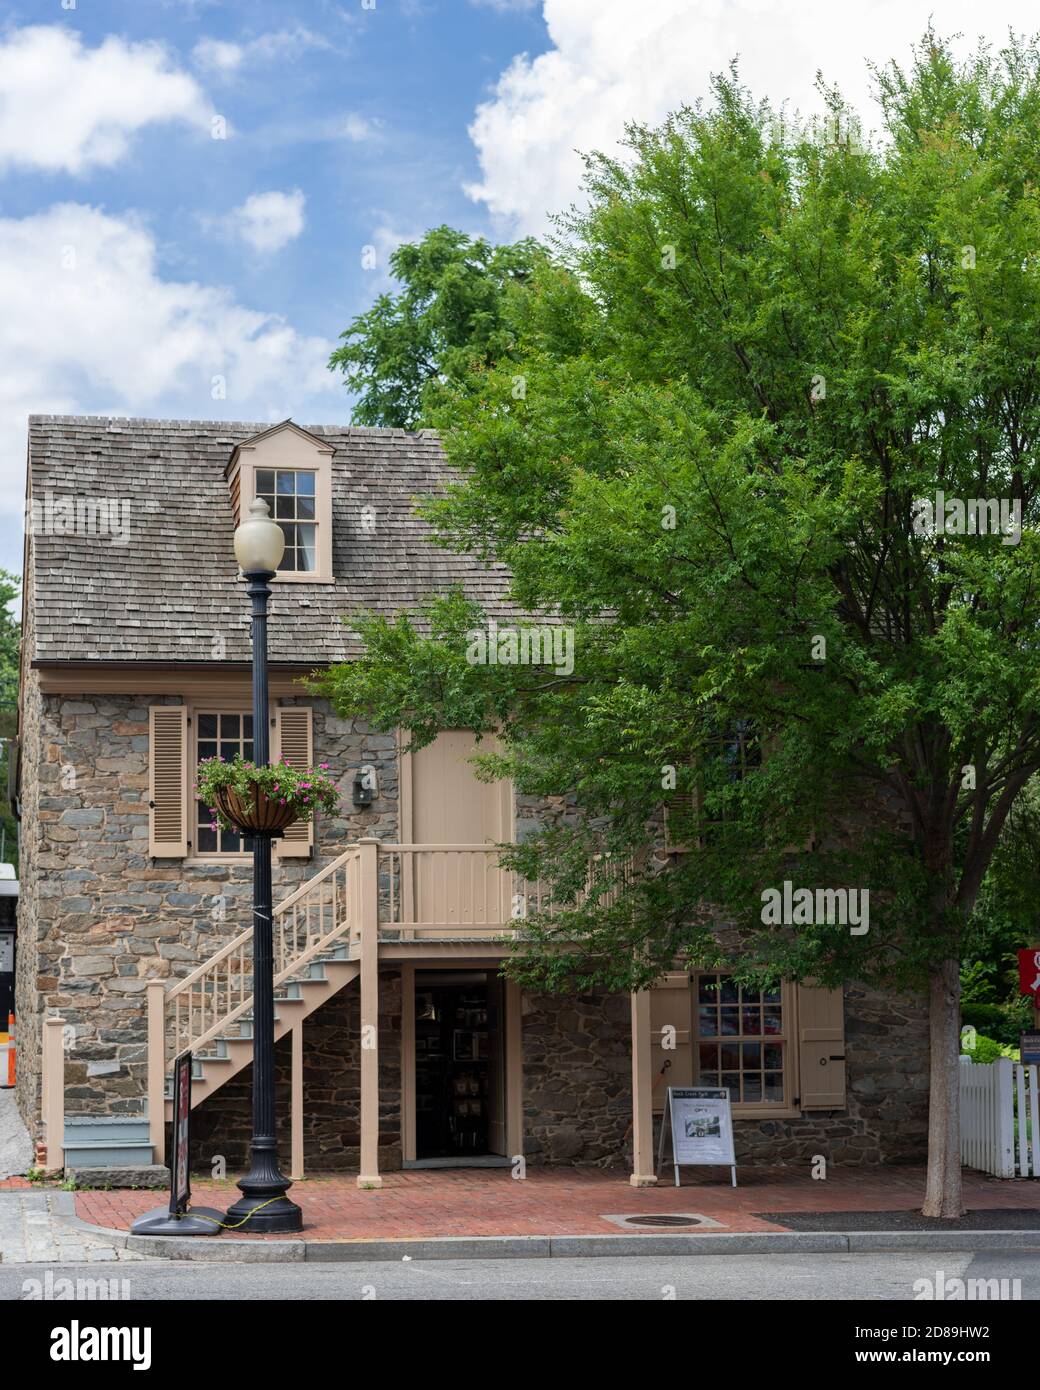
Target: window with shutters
(729, 756)
(220, 734)
(742, 1040)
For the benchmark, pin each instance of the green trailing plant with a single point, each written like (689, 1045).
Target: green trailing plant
(305, 789)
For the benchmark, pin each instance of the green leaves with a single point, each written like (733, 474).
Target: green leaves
(455, 316)
(702, 451)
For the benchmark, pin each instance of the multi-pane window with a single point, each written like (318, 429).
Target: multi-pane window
(221, 735)
(741, 1040)
(728, 757)
(290, 496)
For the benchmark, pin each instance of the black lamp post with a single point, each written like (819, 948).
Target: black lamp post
(259, 545)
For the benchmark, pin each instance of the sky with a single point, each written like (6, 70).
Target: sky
(197, 196)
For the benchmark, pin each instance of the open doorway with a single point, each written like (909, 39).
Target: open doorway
(459, 1065)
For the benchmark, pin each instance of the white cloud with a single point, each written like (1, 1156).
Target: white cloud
(268, 221)
(217, 55)
(89, 325)
(612, 61)
(223, 57)
(68, 108)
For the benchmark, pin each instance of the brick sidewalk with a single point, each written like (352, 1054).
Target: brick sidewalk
(566, 1201)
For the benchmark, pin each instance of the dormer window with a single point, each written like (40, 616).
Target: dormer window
(292, 471)
(291, 500)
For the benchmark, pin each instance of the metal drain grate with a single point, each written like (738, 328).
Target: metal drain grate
(664, 1220)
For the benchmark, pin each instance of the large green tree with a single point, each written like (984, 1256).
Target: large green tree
(765, 345)
(456, 310)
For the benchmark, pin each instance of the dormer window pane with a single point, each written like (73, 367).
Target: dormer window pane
(306, 548)
(290, 495)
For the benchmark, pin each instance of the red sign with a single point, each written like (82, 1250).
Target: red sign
(1029, 971)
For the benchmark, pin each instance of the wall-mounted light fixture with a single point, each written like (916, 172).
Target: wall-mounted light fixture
(365, 787)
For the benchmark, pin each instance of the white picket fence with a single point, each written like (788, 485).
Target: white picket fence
(1000, 1118)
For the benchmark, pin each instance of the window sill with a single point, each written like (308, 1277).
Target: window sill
(765, 1112)
(212, 859)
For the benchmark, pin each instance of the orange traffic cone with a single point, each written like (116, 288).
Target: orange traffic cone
(7, 1073)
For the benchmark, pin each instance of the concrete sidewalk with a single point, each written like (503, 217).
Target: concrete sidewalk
(471, 1212)
(41, 1227)
(16, 1151)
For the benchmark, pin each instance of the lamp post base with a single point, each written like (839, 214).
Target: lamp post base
(267, 1213)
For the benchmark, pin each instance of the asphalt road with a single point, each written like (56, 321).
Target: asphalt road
(746, 1277)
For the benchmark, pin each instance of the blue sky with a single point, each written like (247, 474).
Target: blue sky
(147, 268)
(346, 127)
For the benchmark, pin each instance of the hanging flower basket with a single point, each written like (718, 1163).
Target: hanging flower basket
(263, 800)
(256, 813)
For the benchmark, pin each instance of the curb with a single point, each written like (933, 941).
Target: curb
(216, 1250)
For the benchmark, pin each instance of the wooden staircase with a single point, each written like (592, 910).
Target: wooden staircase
(376, 897)
(210, 1010)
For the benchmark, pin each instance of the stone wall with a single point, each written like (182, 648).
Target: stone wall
(578, 1090)
(100, 918)
(577, 1077)
(28, 999)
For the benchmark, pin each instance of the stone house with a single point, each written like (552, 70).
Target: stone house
(393, 916)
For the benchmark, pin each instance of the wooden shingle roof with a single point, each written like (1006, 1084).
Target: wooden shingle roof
(169, 589)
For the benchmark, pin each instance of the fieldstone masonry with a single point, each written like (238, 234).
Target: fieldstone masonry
(99, 919)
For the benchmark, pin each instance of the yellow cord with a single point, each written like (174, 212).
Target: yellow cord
(201, 1216)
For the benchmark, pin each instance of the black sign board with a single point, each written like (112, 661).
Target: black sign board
(1029, 1048)
(177, 1220)
(180, 1182)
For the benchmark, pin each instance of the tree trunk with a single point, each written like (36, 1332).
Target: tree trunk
(943, 1191)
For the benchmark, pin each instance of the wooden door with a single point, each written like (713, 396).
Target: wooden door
(450, 806)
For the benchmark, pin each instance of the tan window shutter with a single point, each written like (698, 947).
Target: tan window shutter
(680, 816)
(168, 781)
(670, 1005)
(294, 743)
(821, 1037)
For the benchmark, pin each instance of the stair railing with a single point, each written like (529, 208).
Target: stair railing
(312, 919)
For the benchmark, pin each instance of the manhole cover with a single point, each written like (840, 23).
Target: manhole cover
(664, 1220)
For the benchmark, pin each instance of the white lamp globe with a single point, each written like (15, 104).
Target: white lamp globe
(259, 541)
